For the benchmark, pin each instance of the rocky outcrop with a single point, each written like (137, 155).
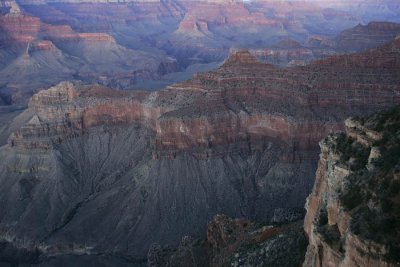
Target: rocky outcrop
(36, 54)
(144, 41)
(362, 37)
(227, 141)
(289, 53)
(220, 13)
(235, 242)
(251, 96)
(18, 28)
(367, 36)
(193, 27)
(232, 105)
(68, 110)
(352, 212)
(21, 28)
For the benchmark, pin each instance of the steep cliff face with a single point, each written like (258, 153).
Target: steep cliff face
(353, 211)
(262, 100)
(240, 140)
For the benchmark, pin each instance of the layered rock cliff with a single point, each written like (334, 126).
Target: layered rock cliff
(35, 54)
(138, 44)
(353, 211)
(240, 140)
(367, 36)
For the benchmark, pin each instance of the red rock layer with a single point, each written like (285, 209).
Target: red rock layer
(20, 29)
(220, 13)
(258, 99)
(239, 106)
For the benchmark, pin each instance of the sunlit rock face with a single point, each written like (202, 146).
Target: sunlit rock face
(240, 140)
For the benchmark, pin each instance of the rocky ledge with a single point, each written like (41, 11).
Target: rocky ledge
(353, 211)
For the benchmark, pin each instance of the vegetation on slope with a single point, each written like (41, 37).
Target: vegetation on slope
(372, 194)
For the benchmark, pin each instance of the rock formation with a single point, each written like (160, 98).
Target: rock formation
(138, 44)
(240, 140)
(235, 242)
(35, 54)
(367, 36)
(289, 52)
(353, 211)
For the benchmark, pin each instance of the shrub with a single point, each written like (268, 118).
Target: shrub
(323, 218)
(354, 195)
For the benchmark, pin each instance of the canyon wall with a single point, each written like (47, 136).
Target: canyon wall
(152, 44)
(240, 140)
(352, 212)
(35, 54)
(367, 36)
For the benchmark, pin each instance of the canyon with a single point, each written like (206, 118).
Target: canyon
(37, 54)
(188, 133)
(241, 140)
(152, 44)
(352, 212)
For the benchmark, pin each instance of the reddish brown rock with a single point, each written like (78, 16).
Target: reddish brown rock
(244, 102)
(229, 141)
(20, 29)
(200, 14)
